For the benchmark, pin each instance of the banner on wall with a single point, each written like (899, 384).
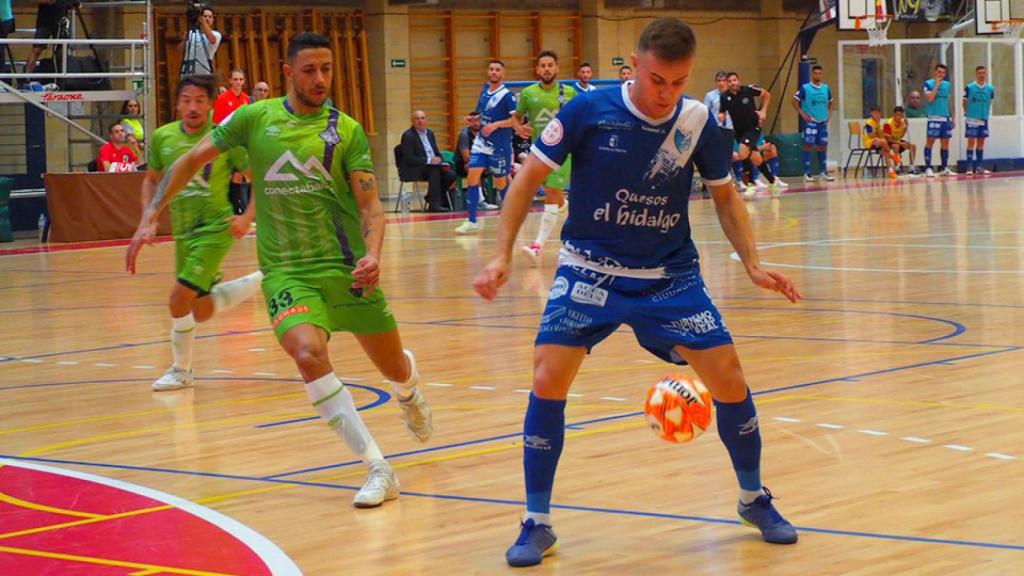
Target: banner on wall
(923, 10)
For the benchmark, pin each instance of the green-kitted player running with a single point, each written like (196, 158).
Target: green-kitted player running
(319, 235)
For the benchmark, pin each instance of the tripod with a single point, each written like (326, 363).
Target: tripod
(194, 39)
(62, 64)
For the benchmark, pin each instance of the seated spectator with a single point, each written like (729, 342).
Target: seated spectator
(260, 91)
(421, 160)
(131, 119)
(463, 149)
(874, 139)
(915, 106)
(895, 131)
(625, 73)
(116, 155)
(232, 99)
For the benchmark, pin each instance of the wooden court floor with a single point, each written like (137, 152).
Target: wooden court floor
(890, 401)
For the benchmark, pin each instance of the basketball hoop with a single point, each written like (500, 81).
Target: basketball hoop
(877, 28)
(1009, 28)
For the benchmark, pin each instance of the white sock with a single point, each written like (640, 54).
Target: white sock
(231, 294)
(334, 404)
(405, 390)
(537, 517)
(183, 332)
(547, 223)
(748, 496)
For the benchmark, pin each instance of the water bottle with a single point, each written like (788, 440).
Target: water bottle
(42, 227)
(406, 203)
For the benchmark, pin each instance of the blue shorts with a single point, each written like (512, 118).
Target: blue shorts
(975, 128)
(940, 128)
(816, 134)
(586, 307)
(499, 161)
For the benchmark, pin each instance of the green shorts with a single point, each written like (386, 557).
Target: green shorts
(324, 299)
(559, 179)
(197, 259)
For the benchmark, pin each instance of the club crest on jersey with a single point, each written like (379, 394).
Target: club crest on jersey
(273, 131)
(330, 136)
(312, 169)
(552, 133)
(683, 140)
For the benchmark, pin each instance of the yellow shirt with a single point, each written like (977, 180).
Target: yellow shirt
(894, 129)
(871, 130)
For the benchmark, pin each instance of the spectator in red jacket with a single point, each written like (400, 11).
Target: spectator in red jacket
(231, 100)
(117, 155)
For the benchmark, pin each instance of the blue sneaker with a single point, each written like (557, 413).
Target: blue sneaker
(762, 515)
(535, 542)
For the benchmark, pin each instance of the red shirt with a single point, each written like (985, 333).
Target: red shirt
(227, 103)
(111, 153)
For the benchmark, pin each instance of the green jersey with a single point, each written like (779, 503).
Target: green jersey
(307, 217)
(541, 106)
(202, 206)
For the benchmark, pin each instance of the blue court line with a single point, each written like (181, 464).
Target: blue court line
(62, 309)
(134, 344)
(383, 396)
(521, 503)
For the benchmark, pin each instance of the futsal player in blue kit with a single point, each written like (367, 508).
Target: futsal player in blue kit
(492, 147)
(977, 105)
(628, 258)
(940, 120)
(813, 102)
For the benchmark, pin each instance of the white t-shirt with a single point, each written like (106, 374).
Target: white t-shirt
(198, 47)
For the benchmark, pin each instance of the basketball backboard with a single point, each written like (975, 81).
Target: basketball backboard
(851, 10)
(989, 13)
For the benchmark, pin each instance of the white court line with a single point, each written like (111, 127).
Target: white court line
(958, 447)
(830, 426)
(613, 398)
(1000, 456)
(645, 361)
(144, 367)
(785, 419)
(915, 439)
(575, 395)
(483, 387)
(218, 371)
(873, 432)
(521, 391)
(257, 349)
(439, 384)
(104, 365)
(347, 378)
(31, 360)
(67, 363)
(264, 373)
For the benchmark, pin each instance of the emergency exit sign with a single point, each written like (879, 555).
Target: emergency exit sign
(398, 63)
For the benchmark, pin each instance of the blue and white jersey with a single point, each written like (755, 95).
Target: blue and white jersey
(494, 107)
(581, 89)
(713, 100)
(940, 106)
(631, 178)
(979, 100)
(814, 100)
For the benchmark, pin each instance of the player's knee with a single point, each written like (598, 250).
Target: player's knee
(181, 299)
(308, 355)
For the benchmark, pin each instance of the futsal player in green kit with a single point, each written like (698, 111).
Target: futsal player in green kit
(319, 236)
(539, 103)
(203, 223)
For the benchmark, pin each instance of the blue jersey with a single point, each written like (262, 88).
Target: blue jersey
(495, 107)
(979, 100)
(814, 100)
(939, 106)
(631, 178)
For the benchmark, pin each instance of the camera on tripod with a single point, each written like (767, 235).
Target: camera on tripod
(193, 11)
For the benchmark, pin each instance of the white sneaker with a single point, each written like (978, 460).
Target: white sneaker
(532, 251)
(781, 183)
(486, 206)
(381, 485)
(947, 172)
(750, 192)
(174, 379)
(776, 189)
(984, 172)
(929, 173)
(468, 227)
(760, 184)
(970, 172)
(416, 413)
(827, 177)
(808, 178)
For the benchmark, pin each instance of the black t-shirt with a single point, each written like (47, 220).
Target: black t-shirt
(742, 107)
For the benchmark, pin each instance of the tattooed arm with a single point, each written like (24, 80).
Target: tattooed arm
(367, 271)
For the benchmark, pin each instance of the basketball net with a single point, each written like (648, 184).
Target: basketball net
(876, 25)
(1011, 28)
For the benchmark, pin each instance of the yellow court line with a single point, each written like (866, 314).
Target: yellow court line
(18, 502)
(915, 403)
(146, 568)
(52, 527)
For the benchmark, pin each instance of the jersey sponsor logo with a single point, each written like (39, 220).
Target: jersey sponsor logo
(638, 210)
(700, 323)
(312, 168)
(330, 136)
(683, 140)
(563, 320)
(552, 133)
(584, 293)
(300, 309)
(559, 288)
(748, 427)
(67, 97)
(536, 442)
(273, 131)
(614, 125)
(613, 145)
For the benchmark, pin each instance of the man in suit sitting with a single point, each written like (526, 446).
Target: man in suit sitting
(421, 160)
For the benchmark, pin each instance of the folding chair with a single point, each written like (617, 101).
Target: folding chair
(404, 179)
(863, 154)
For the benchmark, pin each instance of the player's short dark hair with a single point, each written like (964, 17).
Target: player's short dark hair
(495, 61)
(943, 66)
(547, 54)
(898, 109)
(306, 41)
(584, 65)
(816, 67)
(110, 130)
(238, 70)
(721, 75)
(730, 74)
(205, 82)
(670, 39)
(474, 113)
(625, 67)
(979, 68)
(876, 109)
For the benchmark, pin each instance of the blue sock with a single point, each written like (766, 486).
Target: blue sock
(979, 155)
(807, 163)
(774, 165)
(944, 156)
(543, 435)
(927, 157)
(823, 161)
(737, 168)
(739, 431)
(970, 159)
(472, 200)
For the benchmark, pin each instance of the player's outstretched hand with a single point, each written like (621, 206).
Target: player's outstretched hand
(488, 130)
(143, 235)
(240, 225)
(491, 278)
(524, 130)
(367, 274)
(776, 281)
